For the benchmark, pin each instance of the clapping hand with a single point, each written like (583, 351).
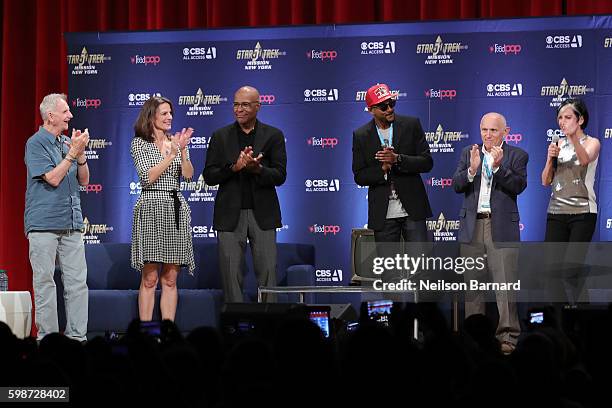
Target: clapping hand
(498, 154)
(78, 142)
(182, 138)
(474, 159)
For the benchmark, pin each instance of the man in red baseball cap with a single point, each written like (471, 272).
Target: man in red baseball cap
(389, 153)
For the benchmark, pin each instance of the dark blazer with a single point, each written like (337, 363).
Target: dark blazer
(223, 151)
(508, 182)
(408, 141)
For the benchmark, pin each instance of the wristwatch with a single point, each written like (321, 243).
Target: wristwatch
(399, 158)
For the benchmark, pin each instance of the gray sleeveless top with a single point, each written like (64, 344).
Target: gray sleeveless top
(572, 185)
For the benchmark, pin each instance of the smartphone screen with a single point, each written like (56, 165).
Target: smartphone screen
(536, 318)
(152, 328)
(380, 311)
(321, 319)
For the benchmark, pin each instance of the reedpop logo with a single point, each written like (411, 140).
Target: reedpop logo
(322, 55)
(440, 93)
(267, 99)
(322, 142)
(505, 49)
(324, 229)
(145, 59)
(91, 188)
(514, 138)
(439, 182)
(86, 103)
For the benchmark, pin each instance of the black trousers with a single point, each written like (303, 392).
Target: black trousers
(567, 283)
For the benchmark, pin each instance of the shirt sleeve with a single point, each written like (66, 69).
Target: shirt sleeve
(38, 160)
(140, 161)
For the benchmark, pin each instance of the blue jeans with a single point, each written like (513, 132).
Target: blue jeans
(67, 247)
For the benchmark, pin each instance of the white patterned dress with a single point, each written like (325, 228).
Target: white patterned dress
(161, 230)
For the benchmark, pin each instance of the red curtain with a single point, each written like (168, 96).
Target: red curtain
(33, 59)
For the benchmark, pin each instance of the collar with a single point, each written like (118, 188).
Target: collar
(48, 136)
(484, 151)
(250, 133)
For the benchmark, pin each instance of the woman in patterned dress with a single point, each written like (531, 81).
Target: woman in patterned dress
(161, 231)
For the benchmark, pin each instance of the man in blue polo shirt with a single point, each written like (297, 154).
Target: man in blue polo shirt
(56, 166)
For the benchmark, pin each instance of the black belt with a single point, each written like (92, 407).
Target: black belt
(483, 215)
(177, 203)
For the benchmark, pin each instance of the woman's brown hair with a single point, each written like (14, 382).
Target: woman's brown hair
(143, 127)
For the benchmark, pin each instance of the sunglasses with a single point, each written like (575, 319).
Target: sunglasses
(385, 105)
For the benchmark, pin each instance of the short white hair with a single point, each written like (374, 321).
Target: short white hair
(49, 103)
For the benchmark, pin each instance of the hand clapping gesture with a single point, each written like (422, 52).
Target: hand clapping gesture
(182, 138)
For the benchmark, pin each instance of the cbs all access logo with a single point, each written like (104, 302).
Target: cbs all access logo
(322, 185)
(139, 98)
(377, 47)
(199, 53)
(203, 231)
(328, 275)
(506, 89)
(552, 133)
(563, 41)
(321, 95)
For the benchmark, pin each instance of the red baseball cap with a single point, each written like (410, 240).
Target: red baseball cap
(377, 94)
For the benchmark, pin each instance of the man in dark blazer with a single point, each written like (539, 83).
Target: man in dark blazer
(491, 176)
(248, 160)
(389, 154)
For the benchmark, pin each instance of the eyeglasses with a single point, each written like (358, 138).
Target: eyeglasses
(244, 105)
(385, 105)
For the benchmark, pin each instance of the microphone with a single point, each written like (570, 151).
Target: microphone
(555, 140)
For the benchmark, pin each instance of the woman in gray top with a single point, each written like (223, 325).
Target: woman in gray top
(570, 171)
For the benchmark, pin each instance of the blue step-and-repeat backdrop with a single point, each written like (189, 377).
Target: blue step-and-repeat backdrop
(312, 82)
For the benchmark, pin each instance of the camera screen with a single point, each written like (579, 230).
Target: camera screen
(536, 318)
(321, 319)
(379, 311)
(151, 328)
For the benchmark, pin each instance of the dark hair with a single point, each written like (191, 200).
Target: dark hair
(579, 108)
(143, 127)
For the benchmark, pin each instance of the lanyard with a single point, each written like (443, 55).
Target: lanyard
(487, 169)
(382, 139)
